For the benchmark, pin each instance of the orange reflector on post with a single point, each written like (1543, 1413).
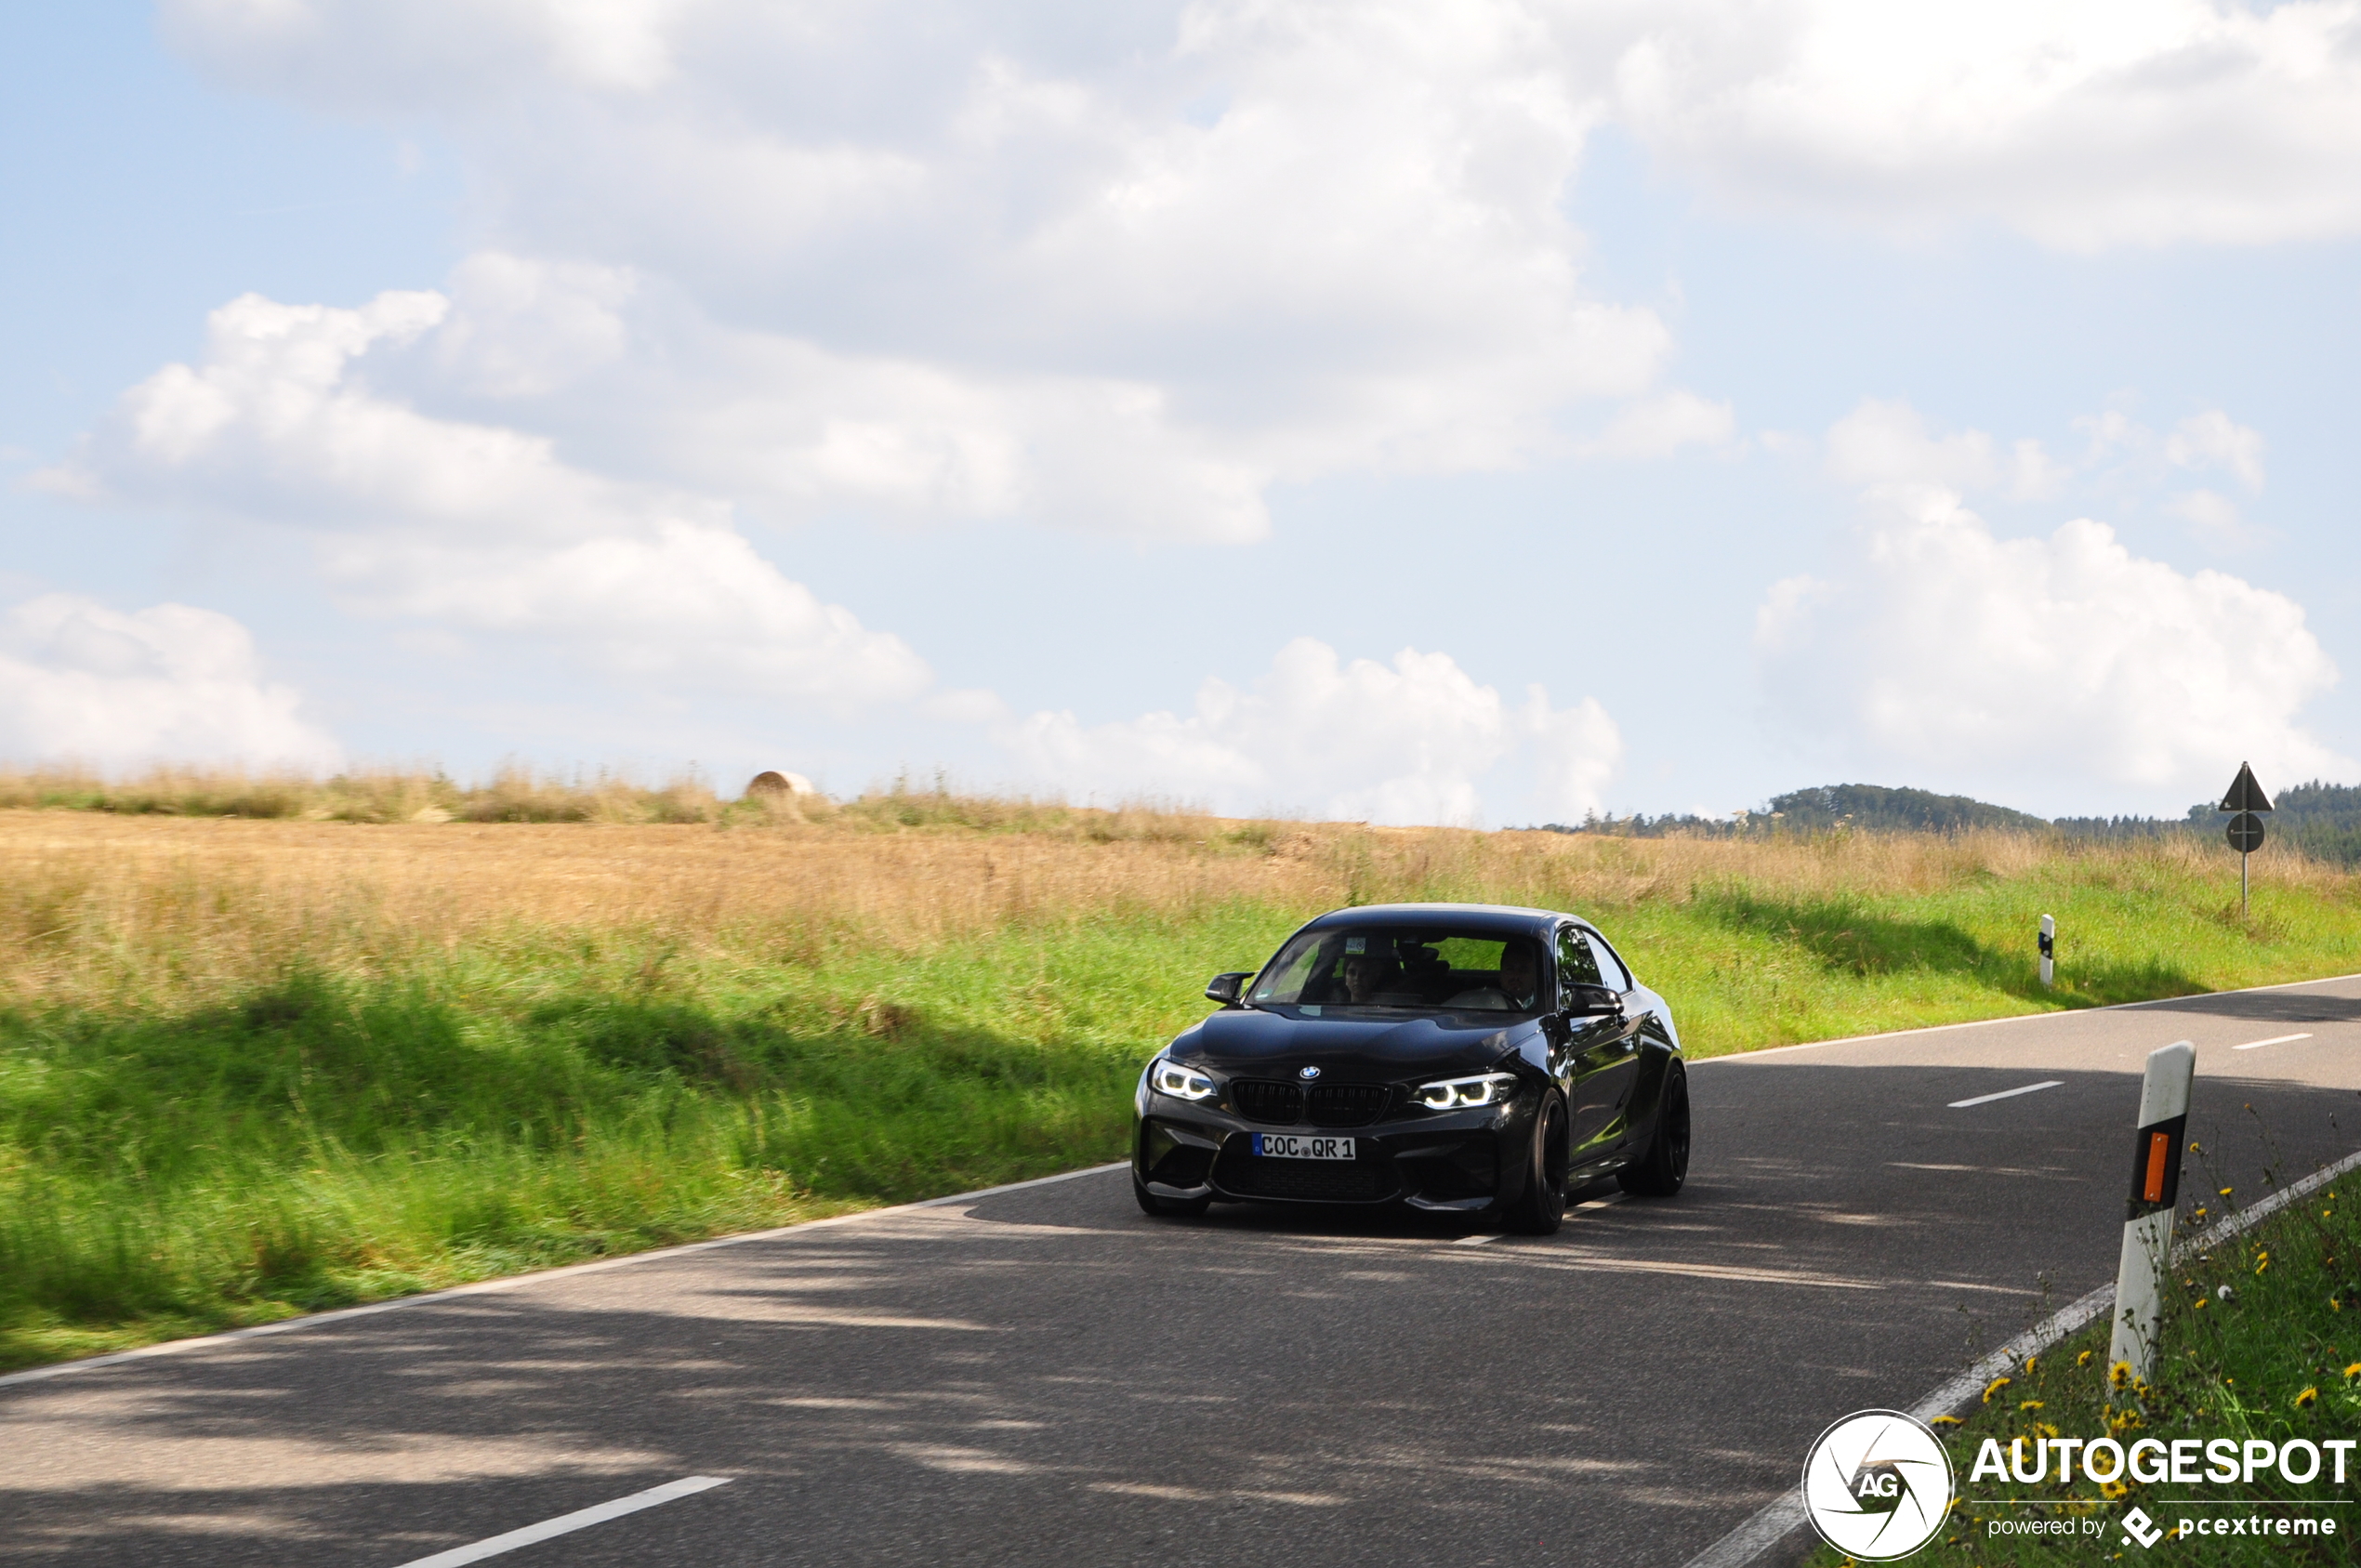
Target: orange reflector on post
(2159, 1147)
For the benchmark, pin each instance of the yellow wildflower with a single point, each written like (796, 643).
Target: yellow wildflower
(1955, 1422)
(2307, 1399)
(2225, 1191)
(1993, 1388)
(2113, 1489)
(2029, 1404)
(2030, 1362)
(2352, 1372)
(2084, 1359)
(2120, 1374)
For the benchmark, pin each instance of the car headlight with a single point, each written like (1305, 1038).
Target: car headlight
(1459, 1094)
(1182, 1083)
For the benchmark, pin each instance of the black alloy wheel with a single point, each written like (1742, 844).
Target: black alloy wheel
(1666, 1165)
(1168, 1209)
(1542, 1208)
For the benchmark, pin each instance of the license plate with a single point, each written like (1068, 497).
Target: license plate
(1295, 1146)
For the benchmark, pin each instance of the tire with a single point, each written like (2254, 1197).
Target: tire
(1168, 1209)
(1541, 1208)
(1666, 1165)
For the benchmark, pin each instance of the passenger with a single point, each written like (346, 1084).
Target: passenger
(1365, 975)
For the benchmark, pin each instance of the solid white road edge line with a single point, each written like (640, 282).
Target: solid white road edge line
(1772, 1526)
(2011, 1017)
(514, 1282)
(567, 1523)
(2274, 1040)
(2008, 1094)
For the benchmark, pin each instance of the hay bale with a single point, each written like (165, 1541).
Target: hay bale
(776, 783)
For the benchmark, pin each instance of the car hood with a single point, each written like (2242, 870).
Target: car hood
(1244, 1039)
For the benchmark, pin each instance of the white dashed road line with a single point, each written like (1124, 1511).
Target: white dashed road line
(567, 1523)
(1608, 1201)
(2008, 1094)
(2274, 1040)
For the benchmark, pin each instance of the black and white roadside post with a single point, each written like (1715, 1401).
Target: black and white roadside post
(2147, 1224)
(2246, 799)
(2048, 949)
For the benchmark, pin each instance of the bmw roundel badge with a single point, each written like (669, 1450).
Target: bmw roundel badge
(1309, 1072)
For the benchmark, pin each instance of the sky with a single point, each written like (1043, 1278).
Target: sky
(1466, 413)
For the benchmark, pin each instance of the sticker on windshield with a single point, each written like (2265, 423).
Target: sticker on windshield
(1356, 944)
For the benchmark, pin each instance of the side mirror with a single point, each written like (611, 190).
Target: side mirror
(1226, 989)
(1594, 1001)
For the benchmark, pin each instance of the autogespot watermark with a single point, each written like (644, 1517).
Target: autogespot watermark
(1877, 1486)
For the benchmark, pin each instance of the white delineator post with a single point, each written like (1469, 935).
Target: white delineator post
(2049, 948)
(2155, 1188)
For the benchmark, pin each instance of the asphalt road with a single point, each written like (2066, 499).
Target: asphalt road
(1046, 1375)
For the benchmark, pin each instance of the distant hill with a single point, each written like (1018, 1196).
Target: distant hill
(2323, 820)
(1852, 807)
(1875, 808)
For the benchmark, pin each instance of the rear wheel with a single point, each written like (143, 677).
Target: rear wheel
(1542, 1206)
(1168, 1209)
(1666, 1165)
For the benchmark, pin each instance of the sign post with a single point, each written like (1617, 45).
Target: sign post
(2049, 947)
(2147, 1222)
(2245, 832)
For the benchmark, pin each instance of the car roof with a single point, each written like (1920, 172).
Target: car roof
(1441, 917)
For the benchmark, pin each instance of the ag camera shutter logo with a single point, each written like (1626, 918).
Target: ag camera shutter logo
(1877, 1485)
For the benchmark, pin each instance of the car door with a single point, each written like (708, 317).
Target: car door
(1619, 1076)
(1602, 1051)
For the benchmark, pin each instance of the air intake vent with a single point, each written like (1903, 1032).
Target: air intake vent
(1346, 1106)
(1260, 1101)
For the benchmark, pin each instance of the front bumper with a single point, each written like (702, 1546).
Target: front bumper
(1446, 1161)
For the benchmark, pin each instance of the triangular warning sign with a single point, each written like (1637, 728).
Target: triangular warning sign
(2244, 794)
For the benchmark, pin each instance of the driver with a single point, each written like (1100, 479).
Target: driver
(1364, 972)
(1519, 978)
(1518, 975)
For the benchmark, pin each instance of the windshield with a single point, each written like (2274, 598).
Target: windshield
(1402, 966)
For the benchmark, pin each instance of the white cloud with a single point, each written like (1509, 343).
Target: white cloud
(2213, 439)
(82, 683)
(2083, 124)
(523, 328)
(1660, 426)
(2215, 522)
(931, 261)
(1886, 444)
(2058, 663)
(1407, 743)
(470, 525)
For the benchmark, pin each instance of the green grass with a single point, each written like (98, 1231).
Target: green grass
(2279, 1358)
(347, 1132)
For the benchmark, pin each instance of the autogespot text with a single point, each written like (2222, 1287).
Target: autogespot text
(2150, 1460)
(2193, 1462)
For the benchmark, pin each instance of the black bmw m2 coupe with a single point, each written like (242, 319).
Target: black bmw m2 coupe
(1462, 1058)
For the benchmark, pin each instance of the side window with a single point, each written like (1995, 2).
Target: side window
(1575, 967)
(1609, 965)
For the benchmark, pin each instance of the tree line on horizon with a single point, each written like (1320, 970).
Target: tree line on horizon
(2322, 819)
